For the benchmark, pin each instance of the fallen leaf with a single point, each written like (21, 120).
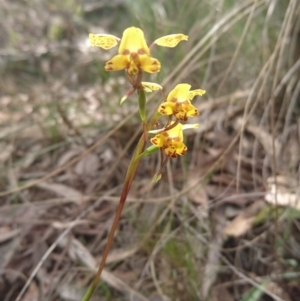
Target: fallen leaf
(71, 292)
(67, 156)
(264, 137)
(239, 225)
(243, 221)
(63, 190)
(5, 151)
(278, 291)
(87, 166)
(282, 198)
(7, 233)
(78, 251)
(197, 194)
(286, 193)
(32, 293)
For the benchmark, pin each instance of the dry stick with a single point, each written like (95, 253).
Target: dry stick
(212, 36)
(69, 124)
(237, 50)
(264, 72)
(249, 280)
(281, 41)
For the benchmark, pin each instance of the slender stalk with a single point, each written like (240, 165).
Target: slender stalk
(131, 171)
(110, 239)
(132, 168)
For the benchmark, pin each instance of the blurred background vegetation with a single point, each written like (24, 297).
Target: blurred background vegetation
(223, 222)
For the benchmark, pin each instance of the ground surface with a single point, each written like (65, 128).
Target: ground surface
(210, 228)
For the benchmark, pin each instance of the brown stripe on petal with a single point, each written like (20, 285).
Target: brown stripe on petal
(126, 52)
(174, 100)
(141, 51)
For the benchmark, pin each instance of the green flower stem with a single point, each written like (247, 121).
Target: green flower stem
(131, 171)
(142, 104)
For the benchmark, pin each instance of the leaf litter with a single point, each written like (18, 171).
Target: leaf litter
(227, 219)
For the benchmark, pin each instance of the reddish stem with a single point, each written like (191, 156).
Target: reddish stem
(127, 184)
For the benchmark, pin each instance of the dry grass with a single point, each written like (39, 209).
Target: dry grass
(212, 228)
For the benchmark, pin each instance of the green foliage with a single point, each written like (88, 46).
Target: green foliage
(253, 294)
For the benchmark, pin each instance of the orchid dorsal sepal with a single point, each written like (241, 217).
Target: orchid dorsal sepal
(149, 151)
(104, 41)
(150, 87)
(171, 40)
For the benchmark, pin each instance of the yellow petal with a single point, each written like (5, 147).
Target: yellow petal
(174, 149)
(181, 149)
(171, 141)
(179, 93)
(193, 93)
(118, 62)
(176, 132)
(181, 115)
(104, 41)
(166, 108)
(151, 86)
(191, 111)
(133, 40)
(170, 151)
(157, 140)
(149, 64)
(171, 40)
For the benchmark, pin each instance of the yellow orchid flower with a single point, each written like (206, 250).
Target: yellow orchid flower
(134, 54)
(171, 141)
(179, 102)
